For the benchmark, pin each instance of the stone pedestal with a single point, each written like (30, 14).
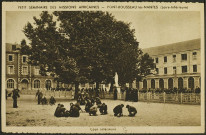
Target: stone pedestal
(119, 95)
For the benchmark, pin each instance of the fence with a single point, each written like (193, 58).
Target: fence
(180, 98)
(67, 94)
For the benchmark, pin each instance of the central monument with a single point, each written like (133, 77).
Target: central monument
(116, 84)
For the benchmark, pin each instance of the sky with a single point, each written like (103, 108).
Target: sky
(152, 28)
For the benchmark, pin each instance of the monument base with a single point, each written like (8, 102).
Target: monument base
(119, 95)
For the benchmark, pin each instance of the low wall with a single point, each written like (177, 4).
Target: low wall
(180, 98)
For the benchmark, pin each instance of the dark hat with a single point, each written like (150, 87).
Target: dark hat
(122, 105)
(127, 106)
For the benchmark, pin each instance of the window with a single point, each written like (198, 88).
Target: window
(13, 47)
(165, 59)
(194, 55)
(184, 69)
(48, 84)
(36, 84)
(10, 58)
(25, 70)
(10, 83)
(153, 84)
(144, 84)
(157, 70)
(59, 85)
(36, 70)
(174, 70)
(24, 59)
(165, 70)
(10, 69)
(174, 58)
(184, 56)
(194, 68)
(156, 59)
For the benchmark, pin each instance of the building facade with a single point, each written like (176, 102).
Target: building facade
(21, 75)
(177, 65)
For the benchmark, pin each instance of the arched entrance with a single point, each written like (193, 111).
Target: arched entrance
(161, 83)
(180, 83)
(191, 83)
(144, 84)
(170, 83)
(24, 84)
(153, 84)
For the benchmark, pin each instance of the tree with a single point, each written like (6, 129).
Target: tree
(109, 45)
(84, 46)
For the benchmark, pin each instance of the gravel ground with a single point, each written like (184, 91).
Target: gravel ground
(29, 113)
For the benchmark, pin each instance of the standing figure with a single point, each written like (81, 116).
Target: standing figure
(127, 94)
(39, 95)
(115, 93)
(118, 110)
(6, 94)
(136, 95)
(132, 110)
(15, 95)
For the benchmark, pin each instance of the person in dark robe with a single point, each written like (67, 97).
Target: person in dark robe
(130, 94)
(98, 101)
(88, 105)
(60, 111)
(118, 110)
(135, 95)
(74, 110)
(103, 109)
(115, 93)
(44, 101)
(93, 110)
(92, 100)
(39, 96)
(6, 94)
(52, 101)
(15, 95)
(127, 94)
(132, 110)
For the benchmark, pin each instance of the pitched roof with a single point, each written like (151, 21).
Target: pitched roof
(173, 48)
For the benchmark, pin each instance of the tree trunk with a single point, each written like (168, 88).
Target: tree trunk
(76, 90)
(97, 85)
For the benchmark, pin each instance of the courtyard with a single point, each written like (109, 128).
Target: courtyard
(30, 114)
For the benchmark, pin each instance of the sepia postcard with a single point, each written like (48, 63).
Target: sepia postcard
(103, 67)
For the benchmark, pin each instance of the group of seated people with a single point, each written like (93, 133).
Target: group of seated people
(118, 110)
(91, 106)
(62, 112)
(44, 101)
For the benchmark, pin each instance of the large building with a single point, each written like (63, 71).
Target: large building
(177, 65)
(21, 75)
